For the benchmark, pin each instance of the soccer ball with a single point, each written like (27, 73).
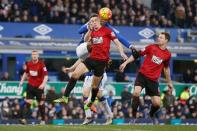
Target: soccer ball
(105, 13)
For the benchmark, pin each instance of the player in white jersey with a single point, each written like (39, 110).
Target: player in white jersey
(82, 53)
(101, 97)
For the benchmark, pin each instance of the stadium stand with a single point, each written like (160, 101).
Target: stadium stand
(163, 13)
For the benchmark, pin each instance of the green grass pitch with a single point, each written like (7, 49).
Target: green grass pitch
(97, 128)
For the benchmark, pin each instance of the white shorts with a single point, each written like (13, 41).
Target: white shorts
(82, 51)
(88, 81)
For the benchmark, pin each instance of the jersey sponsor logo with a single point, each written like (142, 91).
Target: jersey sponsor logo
(97, 40)
(33, 73)
(156, 60)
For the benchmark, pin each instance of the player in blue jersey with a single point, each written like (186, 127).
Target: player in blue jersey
(87, 93)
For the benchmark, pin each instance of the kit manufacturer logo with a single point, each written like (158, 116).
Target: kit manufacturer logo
(42, 29)
(147, 33)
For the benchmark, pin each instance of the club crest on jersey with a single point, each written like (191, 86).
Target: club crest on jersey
(97, 40)
(156, 60)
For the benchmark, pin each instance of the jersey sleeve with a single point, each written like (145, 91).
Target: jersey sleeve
(83, 29)
(112, 35)
(27, 67)
(145, 51)
(167, 62)
(121, 38)
(44, 69)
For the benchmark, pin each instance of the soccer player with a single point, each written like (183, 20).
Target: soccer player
(82, 53)
(86, 94)
(100, 96)
(100, 38)
(37, 78)
(84, 28)
(157, 59)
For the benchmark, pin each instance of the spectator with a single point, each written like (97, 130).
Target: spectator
(62, 76)
(189, 20)
(6, 77)
(16, 112)
(51, 95)
(195, 78)
(188, 76)
(180, 16)
(22, 70)
(168, 99)
(6, 112)
(110, 99)
(121, 77)
(184, 95)
(126, 95)
(194, 24)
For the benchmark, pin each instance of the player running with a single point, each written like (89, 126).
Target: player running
(157, 59)
(87, 95)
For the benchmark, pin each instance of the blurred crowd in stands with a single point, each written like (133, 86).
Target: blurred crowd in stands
(161, 13)
(190, 76)
(183, 107)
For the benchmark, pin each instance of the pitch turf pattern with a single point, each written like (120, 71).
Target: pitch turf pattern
(98, 128)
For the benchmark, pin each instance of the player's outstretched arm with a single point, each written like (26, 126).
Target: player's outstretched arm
(44, 82)
(23, 79)
(123, 65)
(120, 49)
(121, 38)
(166, 70)
(87, 36)
(83, 29)
(72, 68)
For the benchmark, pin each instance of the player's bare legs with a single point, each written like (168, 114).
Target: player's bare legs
(25, 111)
(95, 83)
(80, 70)
(136, 101)
(41, 107)
(88, 112)
(107, 109)
(156, 102)
(102, 99)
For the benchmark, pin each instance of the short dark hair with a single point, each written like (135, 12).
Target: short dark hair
(34, 51)
(167, 35)
(93, 15)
